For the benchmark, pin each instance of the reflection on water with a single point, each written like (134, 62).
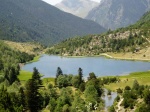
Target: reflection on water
(109, 99)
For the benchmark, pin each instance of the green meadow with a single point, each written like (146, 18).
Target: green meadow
(143, 78)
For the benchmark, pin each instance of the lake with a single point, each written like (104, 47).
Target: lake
(101, 66)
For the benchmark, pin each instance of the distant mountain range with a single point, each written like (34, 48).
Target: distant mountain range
(35, 20)
(79, 8)
(113, 14)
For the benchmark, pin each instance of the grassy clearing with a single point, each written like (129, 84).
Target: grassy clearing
(24, 75)
(142, 77)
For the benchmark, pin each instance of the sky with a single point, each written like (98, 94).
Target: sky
(53, 2)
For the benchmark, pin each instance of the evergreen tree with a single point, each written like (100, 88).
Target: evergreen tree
(5, 101)
(22, 97)
(80, 73)
(33, 96)
(36, 76)
(58, 73)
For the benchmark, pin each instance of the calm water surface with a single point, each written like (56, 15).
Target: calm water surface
(47, 65)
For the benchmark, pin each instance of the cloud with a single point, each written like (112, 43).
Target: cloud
(54, 2)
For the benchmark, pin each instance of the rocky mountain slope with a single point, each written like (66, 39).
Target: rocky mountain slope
(35, 20)
(113, 14)
(77, 7)
(132, 42)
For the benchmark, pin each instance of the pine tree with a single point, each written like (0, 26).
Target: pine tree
(33, 96)
(36, 76)
(58, 73)
(22, 97)
(80, 73)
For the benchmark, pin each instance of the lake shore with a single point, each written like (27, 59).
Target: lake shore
(124, 57)
(118, 56)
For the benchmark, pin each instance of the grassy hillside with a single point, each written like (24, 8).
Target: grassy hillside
(35, 20)
(28, 47)
(128, 42)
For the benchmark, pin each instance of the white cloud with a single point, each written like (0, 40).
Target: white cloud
(53, 2)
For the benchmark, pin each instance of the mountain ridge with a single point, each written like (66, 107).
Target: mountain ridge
(113, 14)
(77, 7)
(31, 20)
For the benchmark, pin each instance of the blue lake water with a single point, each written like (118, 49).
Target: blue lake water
(47, 65)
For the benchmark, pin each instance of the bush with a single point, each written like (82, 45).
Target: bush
(117, 98)
(112, 109)
(127, 88)
(119, 91)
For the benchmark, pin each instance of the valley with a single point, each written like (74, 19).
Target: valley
(54, 61)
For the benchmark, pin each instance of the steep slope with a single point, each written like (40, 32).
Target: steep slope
(77, 7)
(35, 20)
(132, 42)
(113, 14)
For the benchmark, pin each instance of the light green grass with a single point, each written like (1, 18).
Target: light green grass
(48, 80)
(24, 75)
(142, 77)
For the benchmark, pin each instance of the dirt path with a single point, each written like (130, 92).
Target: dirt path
(119, 107)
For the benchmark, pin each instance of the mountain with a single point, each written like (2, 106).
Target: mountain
(132, 42)
(77, 7)
(113, 14)
(35, 20)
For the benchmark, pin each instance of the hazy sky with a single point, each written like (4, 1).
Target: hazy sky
(53, 2)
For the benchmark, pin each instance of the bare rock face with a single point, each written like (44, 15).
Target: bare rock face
(77, 7)
(113, 14)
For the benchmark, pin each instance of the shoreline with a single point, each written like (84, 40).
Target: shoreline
(109, 57)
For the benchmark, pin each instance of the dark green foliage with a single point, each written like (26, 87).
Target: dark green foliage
(22, 97)
(5, 100)
(112, 109)
(9, 62)
(38, 21)
(135, 85)
(92, 76)
(91, 94)
(80, 73)
(119, 91)
(36, 76)
(96, 84)
(143, 108)
(9, 102)
(59, 72)
(62, 81)
(52, 104)
(64, 99)
(33, 96)
(110, 80)
(109, 92)
(117, 98)
(147, 97)
(127, 88)
(76, 81)
(82, 87)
